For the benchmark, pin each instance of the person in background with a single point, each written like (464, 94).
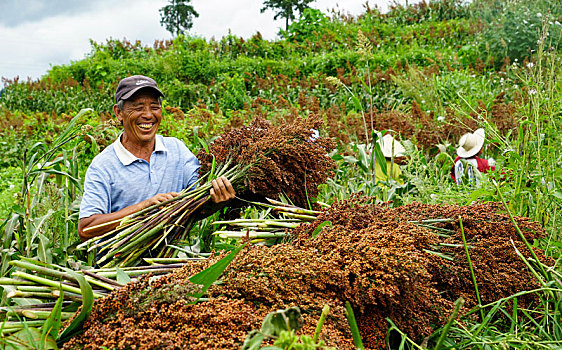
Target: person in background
(391, 149)
(467, 163)
(140, 168)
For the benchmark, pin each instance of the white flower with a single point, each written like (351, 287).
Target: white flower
(524, 21)
(441, 118)
(539, 14)
(12, 186)
(530, 65)
(516, 60)
(532, 92)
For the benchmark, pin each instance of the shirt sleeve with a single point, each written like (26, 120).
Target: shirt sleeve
(96, 198)
(190, 166)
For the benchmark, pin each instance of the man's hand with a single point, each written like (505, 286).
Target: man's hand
(159, 198)
(222, 190)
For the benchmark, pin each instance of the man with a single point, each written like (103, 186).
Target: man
(140, 168)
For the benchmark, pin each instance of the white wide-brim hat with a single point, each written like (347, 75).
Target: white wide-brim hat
(471, 144)
(387, 148)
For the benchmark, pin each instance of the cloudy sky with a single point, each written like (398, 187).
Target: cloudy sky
(37, 34)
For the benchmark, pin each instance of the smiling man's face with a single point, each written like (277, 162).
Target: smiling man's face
(141, 116)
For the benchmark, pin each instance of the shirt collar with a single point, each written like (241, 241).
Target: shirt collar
(126, 157)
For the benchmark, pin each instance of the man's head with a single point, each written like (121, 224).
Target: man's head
(139, 109)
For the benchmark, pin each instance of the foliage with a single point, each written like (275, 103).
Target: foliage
(178, 16)
(514, 27)
(310, 25)
(286, 8)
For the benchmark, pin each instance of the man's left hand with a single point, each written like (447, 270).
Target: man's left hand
(222, 190)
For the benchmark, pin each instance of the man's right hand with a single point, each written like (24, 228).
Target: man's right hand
(159, 198)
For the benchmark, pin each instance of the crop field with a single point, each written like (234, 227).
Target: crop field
(315, 251)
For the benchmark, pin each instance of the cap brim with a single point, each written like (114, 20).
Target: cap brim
(132, 92)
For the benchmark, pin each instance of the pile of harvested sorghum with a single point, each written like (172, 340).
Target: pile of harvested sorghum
(374, 257)
(282, 159)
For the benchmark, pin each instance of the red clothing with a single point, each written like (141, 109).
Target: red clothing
(483, 166)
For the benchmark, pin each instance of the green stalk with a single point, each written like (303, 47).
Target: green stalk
(131, 244)
(107, 242)
(249, 234)
(296, 210)
(31, 265)
(166, 261)
(12, 326)
(458, 304)
(101, 278)
(69, 295)
(185, 213)
(43, 270)
(353, 326)
(325, 311)
(105, 271)
(471, 269)
(139, 272)
(51, 283)
(521, 235)
(45, 314)
(6, 281)
(301, 216)
(34, 289)
(22, 294)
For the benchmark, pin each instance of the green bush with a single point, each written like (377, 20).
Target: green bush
(514, 27)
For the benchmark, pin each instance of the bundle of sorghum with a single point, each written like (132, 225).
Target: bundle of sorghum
(260, 159)
(382, 260)
(282, 159)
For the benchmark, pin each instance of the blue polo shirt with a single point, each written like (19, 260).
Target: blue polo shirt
(116, 178)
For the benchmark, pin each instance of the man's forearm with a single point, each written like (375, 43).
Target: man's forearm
(99, 224)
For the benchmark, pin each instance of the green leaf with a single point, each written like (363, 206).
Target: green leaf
(273, 324)
(208, 276)
(379, 157)
(122, 277)
(53, 323)
(28, 338)
(253, 341)
(364, 162)
(42, 248)
(72, 179)
(281, 320)
(319, 228)
(350, 159)
(75, 327)
(557, 194)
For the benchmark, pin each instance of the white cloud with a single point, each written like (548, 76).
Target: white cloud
(30, 48)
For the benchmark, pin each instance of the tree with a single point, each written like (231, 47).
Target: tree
(286, 8)
(178, 16)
